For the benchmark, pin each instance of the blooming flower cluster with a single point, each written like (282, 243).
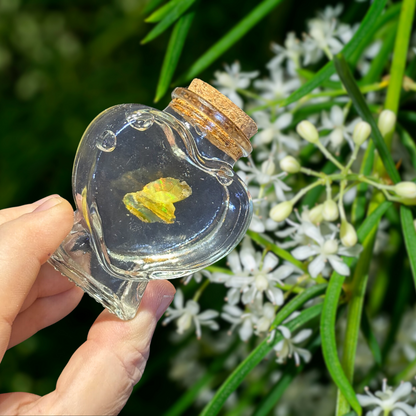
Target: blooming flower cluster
(308, 176)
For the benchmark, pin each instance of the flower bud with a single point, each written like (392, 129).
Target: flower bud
(348, 234)
(281, 211)
(268, 167)
(330, 210)
(406, 189)
(315, 214)
(330, 247)
(386, 122)
(361, 132)
(290, 165)
(308, 131)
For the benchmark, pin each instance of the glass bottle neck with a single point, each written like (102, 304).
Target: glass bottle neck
(205, 147)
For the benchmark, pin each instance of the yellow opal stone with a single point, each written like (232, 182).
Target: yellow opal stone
(154, 203)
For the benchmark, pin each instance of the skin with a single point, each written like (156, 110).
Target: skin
(100, 375)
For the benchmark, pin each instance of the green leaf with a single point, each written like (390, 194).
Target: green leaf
(180, 8)
(401, 47)
(152, 5)
(231, 37)
(407, 117)
(372, 220)
(329, 346)
(173, 53)
(276, 250)
(380, 61)
(364, 112)
(408, 143)
(371, 339)
(409, 234)
(162, 12)
(364, 33)
(258, 354)
(360, 201)
(290, 373)
(330, 306)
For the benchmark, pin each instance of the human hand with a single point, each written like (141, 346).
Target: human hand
(100, 376)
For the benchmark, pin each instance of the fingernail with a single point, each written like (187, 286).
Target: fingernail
(46, 198)
(48, 204)
(164, 303)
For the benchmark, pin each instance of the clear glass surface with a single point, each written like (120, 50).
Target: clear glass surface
(155, 200)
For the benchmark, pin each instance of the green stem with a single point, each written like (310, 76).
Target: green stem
(306, 190)
(399, 59)
(200, 291)
(328, 155)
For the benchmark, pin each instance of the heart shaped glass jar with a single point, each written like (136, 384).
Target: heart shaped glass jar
(156, 195)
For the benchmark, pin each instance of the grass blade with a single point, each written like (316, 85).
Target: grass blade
(330, 306)
(152, 5)
(258, 354)
(360, 201)
(236, 33)
(409, 234)
(364, 112)
(372, 220)
(162, 12)
(401, 46)
(276, 392)
(378, 64)
(362, 36)
(180, 8)
(173, 53)
(371, 339)
(329, 346)
(408, 143)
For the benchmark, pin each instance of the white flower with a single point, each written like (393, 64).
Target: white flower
(259, 317)
(264, 176)
(234, 315)
(326, 249)
(388, 401)
(252, 277)
(324, 35)
(272, 130)
(277, 87)
(188, 314)
(261, 221)
(230, 81)
(292, 51)
(335, 122)
(297, 231)
(286, 347)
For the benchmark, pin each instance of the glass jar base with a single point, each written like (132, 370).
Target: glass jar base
(122, 298)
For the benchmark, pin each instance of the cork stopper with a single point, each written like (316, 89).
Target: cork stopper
(223, 104)
(225, 125)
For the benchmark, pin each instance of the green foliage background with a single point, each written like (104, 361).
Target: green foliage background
(61, 64)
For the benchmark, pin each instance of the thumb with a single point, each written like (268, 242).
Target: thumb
(100, 376)
(25, 244)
